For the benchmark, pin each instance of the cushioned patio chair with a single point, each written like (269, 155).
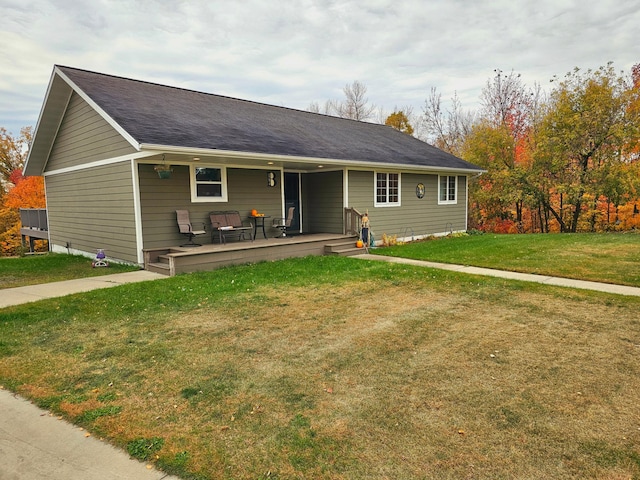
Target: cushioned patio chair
(284, 223)
(186, 228)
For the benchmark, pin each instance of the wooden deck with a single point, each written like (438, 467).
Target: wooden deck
(175, 260)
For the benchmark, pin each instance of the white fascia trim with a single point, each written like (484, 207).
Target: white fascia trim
(44, 104)
(100, 111)
(282, 197)
(466, 204)
(345, 187)
(137, 211)
(311, 160)
(98, 163)
(42, 109)
(300, 213)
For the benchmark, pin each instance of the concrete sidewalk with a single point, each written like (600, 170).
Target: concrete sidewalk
(36, 445)
(32, 293)
(525, 277)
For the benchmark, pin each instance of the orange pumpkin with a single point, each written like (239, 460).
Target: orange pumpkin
(254, 212)
(359, 244)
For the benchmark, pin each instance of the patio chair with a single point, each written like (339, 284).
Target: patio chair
(284, 223)
(186, 228)
(228, 224)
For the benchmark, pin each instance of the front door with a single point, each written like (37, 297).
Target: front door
(292, 199)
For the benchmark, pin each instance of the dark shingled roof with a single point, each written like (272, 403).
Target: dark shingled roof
(162, 115)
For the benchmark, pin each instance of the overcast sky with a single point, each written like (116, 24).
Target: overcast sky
(293, 53)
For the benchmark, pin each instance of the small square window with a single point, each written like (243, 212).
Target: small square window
(208, 184)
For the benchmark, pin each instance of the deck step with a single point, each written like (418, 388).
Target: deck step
(164, 259)
(344, 248)
(157, 267)
(349, 252)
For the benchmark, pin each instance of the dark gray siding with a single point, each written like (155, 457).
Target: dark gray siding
(160, 198)
(94, 208)
(84, 137)
(323, 202)
(415, 216)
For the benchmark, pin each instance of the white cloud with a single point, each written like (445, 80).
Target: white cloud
(295, 52)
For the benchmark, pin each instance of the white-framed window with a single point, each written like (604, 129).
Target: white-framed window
(208, 183)
(387, 189)
(447, 189)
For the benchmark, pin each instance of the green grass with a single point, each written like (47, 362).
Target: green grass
(339, 368)
(609, 258)
(51, 267)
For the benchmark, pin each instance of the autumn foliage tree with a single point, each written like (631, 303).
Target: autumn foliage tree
(499, 142)
(568, 161)
(13, 153)
(589, 124)
(399, 121)
(18, 191)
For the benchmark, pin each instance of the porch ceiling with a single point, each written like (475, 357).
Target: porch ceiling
(254, 160)
(311, 165)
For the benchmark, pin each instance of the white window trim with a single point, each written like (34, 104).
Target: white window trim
(447, 202)
(375, 191)
(223, 181)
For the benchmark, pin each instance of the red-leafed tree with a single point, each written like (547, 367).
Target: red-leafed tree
(17, 190)
(27, 192)
(500, 142)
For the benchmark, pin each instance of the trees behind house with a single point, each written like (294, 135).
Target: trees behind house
(13, 153)
(355, 105)
(17, 190)
(399, 121)
(586, 134)
(567, 162)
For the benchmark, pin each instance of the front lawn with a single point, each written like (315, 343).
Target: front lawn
(609, 258)
(51, 267)
(338, 368)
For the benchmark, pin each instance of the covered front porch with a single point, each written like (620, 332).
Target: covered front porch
(174, 260)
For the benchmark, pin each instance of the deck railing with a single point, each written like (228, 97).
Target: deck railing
(352, 221)
(34, 225)
(34, 218)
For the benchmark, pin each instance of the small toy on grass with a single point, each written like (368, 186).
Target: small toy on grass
(100, 259)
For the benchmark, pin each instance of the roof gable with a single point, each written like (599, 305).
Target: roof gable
(155, 114)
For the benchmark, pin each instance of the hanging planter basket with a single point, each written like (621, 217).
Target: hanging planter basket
(163, 170)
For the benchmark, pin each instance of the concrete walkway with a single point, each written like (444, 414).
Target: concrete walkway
(32, 293)
(36, 445)
(525, 277)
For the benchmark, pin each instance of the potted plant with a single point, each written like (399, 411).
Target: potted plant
(163, 170)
